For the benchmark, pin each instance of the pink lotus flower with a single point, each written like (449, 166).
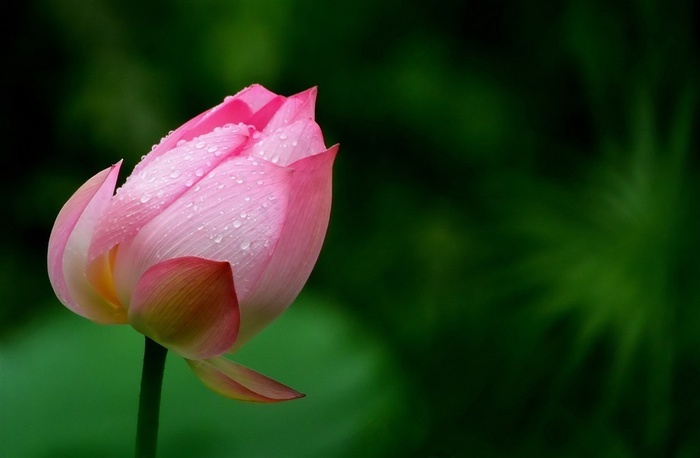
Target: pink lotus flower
(211, 237)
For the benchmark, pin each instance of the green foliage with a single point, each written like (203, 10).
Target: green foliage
(512, 263)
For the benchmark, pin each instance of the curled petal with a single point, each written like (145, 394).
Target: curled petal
(238, 382)
(298, 246)
(234, 214)
(68, 249)
(188, 305)
(157, 183)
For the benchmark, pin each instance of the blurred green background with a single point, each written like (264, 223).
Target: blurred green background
(512, 263)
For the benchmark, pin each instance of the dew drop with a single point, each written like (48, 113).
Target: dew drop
(189, 182)
(175, 173)
(145, 198)
(180, 142)
(199, 172)
(218, 238)
(200, 145)
(237, 223)
(213, 149)
(245, 244)
(247, 198)
(283, 136)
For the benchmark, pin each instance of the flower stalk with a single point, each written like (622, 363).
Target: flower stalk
(149, 399)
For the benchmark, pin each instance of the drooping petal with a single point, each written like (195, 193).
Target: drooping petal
(296, 107)
(234, 214)
(188, 305)
(154, 186)
(238, 382)
(289, 143)
(68, 249)
(298, 247)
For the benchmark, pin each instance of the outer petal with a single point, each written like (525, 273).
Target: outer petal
(234, 214)
(157, 183)
(68, 249)
(188, 305)
(288, 143)
(298, 247)
(238, 382)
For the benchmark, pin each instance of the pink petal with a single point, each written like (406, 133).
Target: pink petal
(234, 214)
(289, 143)
(296, 107)
(188, 305)
(238, 382)
(156, 184)
(298, 247)
(233, 110)
(68, 249)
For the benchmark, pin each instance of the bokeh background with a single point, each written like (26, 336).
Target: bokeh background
(512, 263)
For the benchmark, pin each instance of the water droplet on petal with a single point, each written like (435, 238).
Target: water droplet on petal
(180, 142)
(199, 172)
(218, 238)
(200, 145)
(237, 223)
(245, 244)
(175, 173)
(145, 198)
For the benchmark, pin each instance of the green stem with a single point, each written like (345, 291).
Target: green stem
(149, 402)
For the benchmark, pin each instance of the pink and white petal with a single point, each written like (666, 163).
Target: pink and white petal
(298, 106)
(234, 381)
(298, 248)
(68, 249)
(289, 143)
(234, 214)
(233, 110)
(153, 187)
(188, 305)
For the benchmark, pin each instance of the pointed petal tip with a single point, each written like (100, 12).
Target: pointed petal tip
(237, 382)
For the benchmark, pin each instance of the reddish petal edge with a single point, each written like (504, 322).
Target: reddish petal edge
(234, 381)
(188, 305)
